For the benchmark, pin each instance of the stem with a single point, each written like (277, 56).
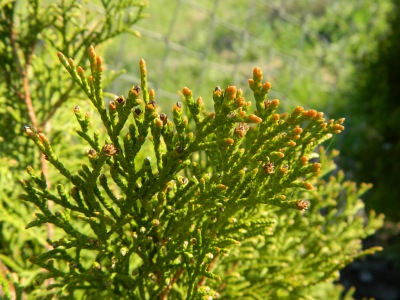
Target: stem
(26, 96)
(164, 294)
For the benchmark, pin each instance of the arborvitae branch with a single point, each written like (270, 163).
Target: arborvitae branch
(170, 227)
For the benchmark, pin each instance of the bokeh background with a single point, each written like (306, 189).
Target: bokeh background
(308, 49)
(340, 57)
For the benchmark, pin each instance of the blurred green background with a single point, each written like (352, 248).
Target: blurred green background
(307, 49)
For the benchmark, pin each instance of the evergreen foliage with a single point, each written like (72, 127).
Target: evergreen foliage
(221, 211)
(180, 204)
(33, 89)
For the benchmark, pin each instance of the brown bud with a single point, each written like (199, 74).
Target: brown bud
(137, 111)
(152, 105)
(120, 100)
(163, 118)
(136, 90)
(92, 153)
(109, 149)
(302, 205)
(269, 168)
(241, 129)
(217, 89)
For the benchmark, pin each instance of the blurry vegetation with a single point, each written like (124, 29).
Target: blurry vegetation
(372, 141)
(306, 47)
(34, 91)
(221, 213)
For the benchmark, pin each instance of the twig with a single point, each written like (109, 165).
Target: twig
(164, 294)
(210, 266)
(25, 82)
(26, 96)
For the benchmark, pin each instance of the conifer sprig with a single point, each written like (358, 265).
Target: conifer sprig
(170, 227)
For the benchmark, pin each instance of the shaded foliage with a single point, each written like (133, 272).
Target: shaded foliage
(372, 144)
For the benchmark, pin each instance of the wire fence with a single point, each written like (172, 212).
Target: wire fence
(307, 48)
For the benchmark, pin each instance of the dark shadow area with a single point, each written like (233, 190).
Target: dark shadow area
(371, 153)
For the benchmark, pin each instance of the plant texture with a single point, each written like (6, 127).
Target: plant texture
(33, 90)
(230, 203)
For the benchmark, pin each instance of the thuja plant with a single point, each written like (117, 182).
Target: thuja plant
(192, 204)
(34, 90)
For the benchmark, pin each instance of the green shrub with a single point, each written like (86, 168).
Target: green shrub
(219, 208)
(34, 90)
(220, 212)
(372, 154)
